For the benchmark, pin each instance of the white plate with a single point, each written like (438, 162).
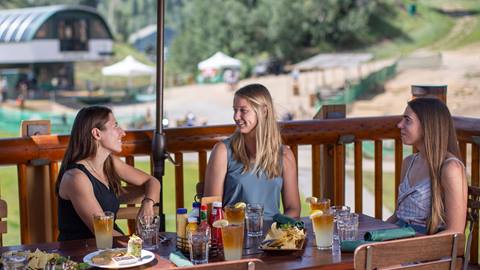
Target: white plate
(146, 255)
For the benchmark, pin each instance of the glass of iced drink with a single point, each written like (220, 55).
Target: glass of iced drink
(103, 227)
(235, 214)
(322, 223)
(232, 237)
(147, 229)
(320, 204)
(198, 242)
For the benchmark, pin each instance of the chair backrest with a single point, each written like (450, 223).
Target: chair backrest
(442, 251)
(245, 264)
(130, 200)
(3, 223)
(473, 208)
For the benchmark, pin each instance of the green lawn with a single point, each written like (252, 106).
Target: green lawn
(6, 134)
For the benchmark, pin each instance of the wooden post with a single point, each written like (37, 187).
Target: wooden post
(36, 211)
(438, 91)
(332, 171)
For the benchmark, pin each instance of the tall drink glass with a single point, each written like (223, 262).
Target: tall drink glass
(103, 227)
(232, 236)
(320, 204)
(322, 223)
(235, 215)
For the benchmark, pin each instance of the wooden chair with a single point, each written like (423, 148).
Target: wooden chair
(443, 251)
(130, 200)
(472, 219)
(3, 223)
(244, 264)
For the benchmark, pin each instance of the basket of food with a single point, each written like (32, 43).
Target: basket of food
(285, 234)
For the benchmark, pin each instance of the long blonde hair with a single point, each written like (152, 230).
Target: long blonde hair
(268, 139)
(439, 139)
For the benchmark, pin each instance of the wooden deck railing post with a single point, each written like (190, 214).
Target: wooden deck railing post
(332, 159)
(475, 181)
(438, 91)
(36, 184)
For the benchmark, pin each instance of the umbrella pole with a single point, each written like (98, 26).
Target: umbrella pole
(159, 140)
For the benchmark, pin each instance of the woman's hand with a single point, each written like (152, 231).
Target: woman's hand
(147, 208)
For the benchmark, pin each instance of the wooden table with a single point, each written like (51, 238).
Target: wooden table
(310, 258)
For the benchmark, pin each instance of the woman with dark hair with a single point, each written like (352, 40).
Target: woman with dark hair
(432, 196)
(89, 179)
(252, 165)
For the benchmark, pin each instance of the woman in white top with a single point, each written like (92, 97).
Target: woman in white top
(433, 192)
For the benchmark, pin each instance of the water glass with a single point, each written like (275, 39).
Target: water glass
(103, 228)
(148, 227)
(347, 226)
(14, 260)
(254, 219)
(198, 242)
(337, 211)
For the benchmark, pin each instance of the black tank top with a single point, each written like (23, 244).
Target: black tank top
(70, 225)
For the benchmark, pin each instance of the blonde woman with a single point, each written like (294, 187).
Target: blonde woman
(432, 196)
(252, 165)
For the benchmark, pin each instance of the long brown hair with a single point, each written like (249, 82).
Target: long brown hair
(82, 145)
(439, 139)
(268, 139)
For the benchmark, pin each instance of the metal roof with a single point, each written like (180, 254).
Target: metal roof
(17, 25)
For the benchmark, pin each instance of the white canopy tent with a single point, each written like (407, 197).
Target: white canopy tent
(128, 67)
(219, 61)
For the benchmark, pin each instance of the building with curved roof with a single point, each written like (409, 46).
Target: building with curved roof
(43, 42)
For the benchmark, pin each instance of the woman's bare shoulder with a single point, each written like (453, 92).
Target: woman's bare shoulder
(74, 178)
(288, 153)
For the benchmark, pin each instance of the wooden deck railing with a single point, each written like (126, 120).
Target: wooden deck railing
(313, 133)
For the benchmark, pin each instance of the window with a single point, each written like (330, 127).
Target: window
(73, 34)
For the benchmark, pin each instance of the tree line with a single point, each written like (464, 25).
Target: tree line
(246, 29)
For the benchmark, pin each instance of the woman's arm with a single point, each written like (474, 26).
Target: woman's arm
(290, 194)
(455, 189)
(216, 171)
(137, 177)
(76, 187)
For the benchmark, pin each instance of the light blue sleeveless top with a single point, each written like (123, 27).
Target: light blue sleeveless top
(249, 188)
(414, 202)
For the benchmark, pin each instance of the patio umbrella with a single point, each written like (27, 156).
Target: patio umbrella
(158, 144)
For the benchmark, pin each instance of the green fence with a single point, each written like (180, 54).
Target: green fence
(352, 92)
